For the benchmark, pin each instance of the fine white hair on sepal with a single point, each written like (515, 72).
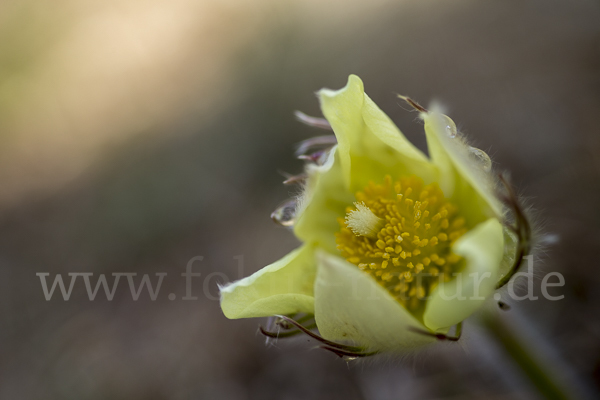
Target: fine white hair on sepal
(363, 222)
(549, 239)
(438, 107)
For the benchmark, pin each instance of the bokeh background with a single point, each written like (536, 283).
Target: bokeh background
(135, 135)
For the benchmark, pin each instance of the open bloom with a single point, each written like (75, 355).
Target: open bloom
(394, 242)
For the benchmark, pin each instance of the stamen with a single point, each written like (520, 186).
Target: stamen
(401, 234)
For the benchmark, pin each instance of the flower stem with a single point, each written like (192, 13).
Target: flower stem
(527, 358)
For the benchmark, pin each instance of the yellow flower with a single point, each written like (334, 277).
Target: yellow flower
(394, 242)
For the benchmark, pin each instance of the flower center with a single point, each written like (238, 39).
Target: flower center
(401, 233)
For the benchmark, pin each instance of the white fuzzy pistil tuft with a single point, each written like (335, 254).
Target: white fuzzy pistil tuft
(363, 222)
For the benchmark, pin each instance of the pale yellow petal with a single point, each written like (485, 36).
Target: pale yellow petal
(464, 171)
(324, 200)
(351, 307)
(284, 287)
(369, 144)
(453, 301)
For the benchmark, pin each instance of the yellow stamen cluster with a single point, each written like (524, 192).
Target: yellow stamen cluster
(408, 248)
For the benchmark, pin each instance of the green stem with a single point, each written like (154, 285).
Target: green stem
(525, 356)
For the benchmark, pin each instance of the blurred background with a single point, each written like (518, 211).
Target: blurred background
(136, 135)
